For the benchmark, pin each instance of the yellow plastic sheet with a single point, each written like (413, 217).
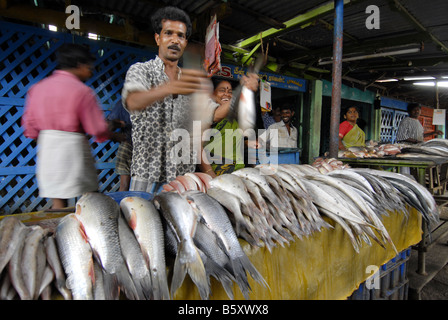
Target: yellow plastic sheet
(322, 267)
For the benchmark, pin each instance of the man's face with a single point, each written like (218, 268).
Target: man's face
(172, 40)
(287, 115)
(415, 113)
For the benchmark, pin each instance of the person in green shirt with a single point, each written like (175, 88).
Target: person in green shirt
(226, 146)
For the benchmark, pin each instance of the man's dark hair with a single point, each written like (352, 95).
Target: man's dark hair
(173, 14)
(412, 106)
(286, 106)
(70, 55)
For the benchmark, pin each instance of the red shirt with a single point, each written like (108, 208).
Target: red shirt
(344, 128)
(63, 102)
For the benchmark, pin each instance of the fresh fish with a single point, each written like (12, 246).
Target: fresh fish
(232, 203)
(205, 178)
(234, 185)
(10, 235)
(187, 182)
(99, 287)
(55, 263)
(216, 220)
(7, 291)
(182, 220)
(426, 199)
(99, 214)
(76, 257)
(216, 261)
(145, 221)
(357, 200)
(137, 265)
(33, 260)
(200, 184)
(246, 109)
(323, 200)
(45, 285)
(177, 185)
(15, 268)
(254, 175)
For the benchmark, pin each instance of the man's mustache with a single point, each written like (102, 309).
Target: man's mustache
(174, 47)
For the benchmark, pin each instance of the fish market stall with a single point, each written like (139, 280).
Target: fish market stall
(430, 165)
(283, 232)
(322, 267)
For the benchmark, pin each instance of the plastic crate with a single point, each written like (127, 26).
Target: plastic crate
(393, 281)
(285, 156)
(118, 196)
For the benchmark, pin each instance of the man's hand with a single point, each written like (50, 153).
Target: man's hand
(190, 81)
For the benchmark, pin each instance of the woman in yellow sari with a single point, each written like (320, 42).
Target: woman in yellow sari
(350, 135)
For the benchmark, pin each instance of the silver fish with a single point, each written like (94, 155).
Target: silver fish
(358, 201)
(76, 257)
(216, 260)
(15, 268)
(323, 200)
(45, 285)
(10, 234)
(182, 220)
(7, 291)
(136, 263)
(234, 185)
(99, 214)
(246, 109)
(145, 221)
(55, 263)
(254, 175)
(216, 219)
(99, 287)
(33, 260)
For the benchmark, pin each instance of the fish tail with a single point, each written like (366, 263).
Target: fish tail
(240, 266)
(144, 287)
(160, 285)
(189, 260)
(126, 283)
(111, 288)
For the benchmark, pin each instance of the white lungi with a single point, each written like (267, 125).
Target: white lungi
(65, 167)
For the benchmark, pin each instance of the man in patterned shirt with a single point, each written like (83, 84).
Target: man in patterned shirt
(155, 93)
(410, 129)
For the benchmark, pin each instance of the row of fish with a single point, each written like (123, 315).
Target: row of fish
(434, 148)
(106, 249)
(268, 205)
(372, 151)
(29, 262)
(325, 165)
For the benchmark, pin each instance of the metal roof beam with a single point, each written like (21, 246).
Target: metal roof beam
(297, 21)
(410, 17)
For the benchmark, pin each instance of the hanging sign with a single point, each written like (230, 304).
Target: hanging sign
(265, 95)
(275, 80)
(439, 117)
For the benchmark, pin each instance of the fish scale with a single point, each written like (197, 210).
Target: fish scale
(98, 213)
(146, 224)
(76, 257)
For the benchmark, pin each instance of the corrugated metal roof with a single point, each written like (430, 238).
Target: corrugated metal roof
(403, 24)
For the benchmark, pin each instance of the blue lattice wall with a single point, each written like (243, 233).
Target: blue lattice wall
(390, 121)
(27, 56)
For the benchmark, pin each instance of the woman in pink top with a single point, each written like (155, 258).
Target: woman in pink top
(59, 111)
